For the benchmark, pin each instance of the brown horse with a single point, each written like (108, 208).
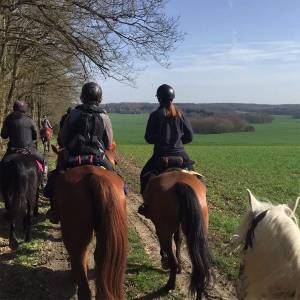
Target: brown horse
(177, 199)
(46, 135)
(90, 199)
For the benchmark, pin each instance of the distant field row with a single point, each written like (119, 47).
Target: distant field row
(266, 161)
(130, 129)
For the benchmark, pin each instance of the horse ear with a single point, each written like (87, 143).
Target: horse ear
(254, 203)
(293, 206)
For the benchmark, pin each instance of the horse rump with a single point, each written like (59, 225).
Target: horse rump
(20, 187)
(196, 237)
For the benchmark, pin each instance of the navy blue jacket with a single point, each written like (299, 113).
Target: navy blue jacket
(168, 134)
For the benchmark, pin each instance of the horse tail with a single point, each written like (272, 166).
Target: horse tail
(14, 188)
(193, 228)
(111, 232)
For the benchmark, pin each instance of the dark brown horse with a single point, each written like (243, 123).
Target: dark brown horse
(92, 200)
(46, 135)
(20, 181)
(177, 199)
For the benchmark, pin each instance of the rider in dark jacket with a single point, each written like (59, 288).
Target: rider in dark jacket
(99, 133)
(83, 138)
(168, 130)
(21, 132)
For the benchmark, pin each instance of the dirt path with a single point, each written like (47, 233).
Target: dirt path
(219, 289)
(39, 270)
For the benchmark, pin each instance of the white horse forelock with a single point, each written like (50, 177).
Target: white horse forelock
(272, 265)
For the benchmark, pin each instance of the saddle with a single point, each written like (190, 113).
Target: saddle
(165, 163)
(15, 150)
(88, 159)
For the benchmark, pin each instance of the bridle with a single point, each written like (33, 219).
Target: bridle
(250, 232)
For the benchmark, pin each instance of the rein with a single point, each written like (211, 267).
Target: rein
(250, 233)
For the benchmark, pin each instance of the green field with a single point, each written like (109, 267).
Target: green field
(266, 161)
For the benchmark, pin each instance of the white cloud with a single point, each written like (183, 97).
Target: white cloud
(274, 54)
(267, 72)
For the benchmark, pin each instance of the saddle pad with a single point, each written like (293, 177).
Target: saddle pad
(40, 166)
(198, 175)
(79, 160)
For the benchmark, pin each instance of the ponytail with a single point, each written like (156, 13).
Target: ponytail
(171, 110)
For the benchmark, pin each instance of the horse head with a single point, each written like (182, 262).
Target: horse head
(270, 238)
(256, 208)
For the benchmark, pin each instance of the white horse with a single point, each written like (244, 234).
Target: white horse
(270, 237)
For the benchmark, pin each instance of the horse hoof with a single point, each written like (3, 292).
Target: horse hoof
(169, 286)
(13, 244)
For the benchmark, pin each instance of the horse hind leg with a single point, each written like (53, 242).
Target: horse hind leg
(178, 236)
(79, 273)
(27, 223)
(13, 242)
(166, 246)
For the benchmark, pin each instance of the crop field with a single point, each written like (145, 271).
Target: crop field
(266, 161)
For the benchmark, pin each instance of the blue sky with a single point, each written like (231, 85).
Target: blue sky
(233, 51)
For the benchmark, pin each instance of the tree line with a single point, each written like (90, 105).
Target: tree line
(48, 49)
(198, 108)
(214, 117)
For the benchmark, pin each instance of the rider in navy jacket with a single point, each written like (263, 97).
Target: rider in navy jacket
(168, 130)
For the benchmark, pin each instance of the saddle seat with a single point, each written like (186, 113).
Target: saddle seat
(89, 159)
(168, 164)
(14, 153)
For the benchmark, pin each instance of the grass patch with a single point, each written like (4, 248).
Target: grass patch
(142, 277)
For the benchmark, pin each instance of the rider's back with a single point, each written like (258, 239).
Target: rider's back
(168, 134)
(85, 130)
(20, 130)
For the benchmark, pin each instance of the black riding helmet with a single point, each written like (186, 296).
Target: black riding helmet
(20, 106)
(91, 93)
(165, 93)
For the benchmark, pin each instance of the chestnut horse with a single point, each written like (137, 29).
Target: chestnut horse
(91, 199)
(46, 135)
(177, 199)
